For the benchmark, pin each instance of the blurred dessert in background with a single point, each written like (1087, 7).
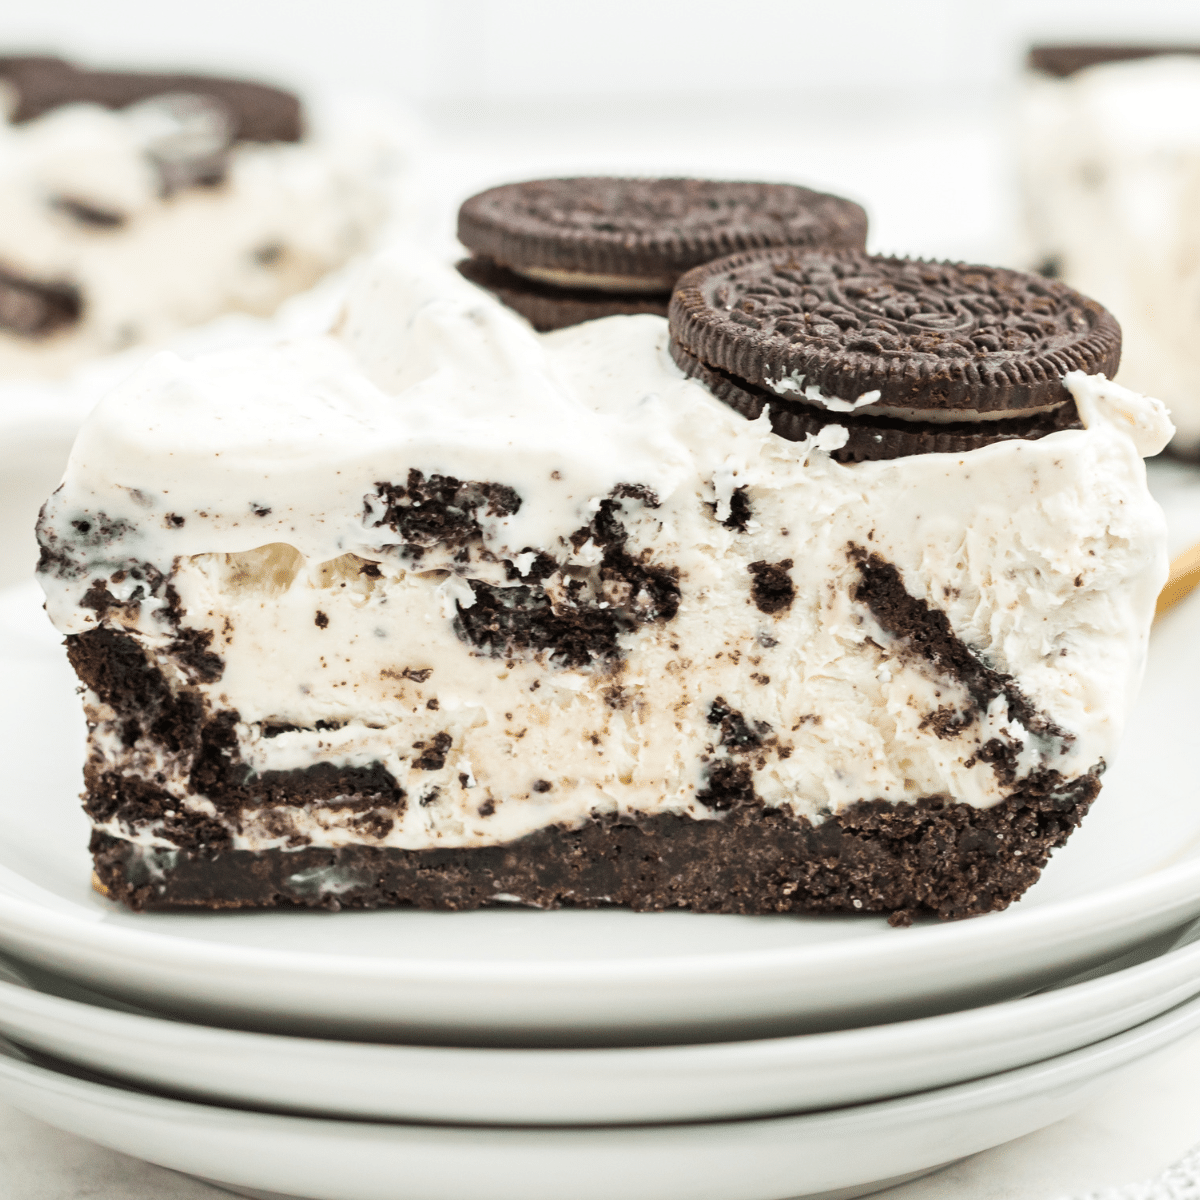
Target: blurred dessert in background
(134, 205)
(1110, 164)
(561, 251)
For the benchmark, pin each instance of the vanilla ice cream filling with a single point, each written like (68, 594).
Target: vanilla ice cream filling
(257, 482)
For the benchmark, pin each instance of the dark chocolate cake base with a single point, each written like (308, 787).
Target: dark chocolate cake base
(937, 857)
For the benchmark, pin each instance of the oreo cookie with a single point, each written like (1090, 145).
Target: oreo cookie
(256, 112)
(1064, 60)
(910, 357)
(546, 307)
(561, 251)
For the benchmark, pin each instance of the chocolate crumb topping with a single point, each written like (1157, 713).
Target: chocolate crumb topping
(440, 510)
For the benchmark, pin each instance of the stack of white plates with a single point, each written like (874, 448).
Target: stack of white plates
(508, 1053)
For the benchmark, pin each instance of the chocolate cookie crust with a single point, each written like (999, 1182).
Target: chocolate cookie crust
(258, 112)
(648, 229)
(923, 335)
(933, 856)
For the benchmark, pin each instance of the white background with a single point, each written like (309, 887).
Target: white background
(900, 104)
(487, 50)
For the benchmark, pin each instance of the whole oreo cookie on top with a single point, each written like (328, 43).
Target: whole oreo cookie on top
(910, 357)
(1062, 60)
(257, 112)
(561, 251)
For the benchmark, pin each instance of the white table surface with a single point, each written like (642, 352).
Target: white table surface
(1131, 1132)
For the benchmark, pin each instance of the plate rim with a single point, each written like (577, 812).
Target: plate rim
(1182, 961)
(1075, 1068)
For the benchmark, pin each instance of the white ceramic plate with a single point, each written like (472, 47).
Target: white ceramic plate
(842, 1152)
(581, 1087)
(522, 977)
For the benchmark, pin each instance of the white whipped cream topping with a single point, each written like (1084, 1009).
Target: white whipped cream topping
(285, 215)
(1111, 174)
(1143, 418)
(250, 477)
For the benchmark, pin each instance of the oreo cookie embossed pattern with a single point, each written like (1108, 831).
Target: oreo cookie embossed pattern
(561, 251)
(908, 356)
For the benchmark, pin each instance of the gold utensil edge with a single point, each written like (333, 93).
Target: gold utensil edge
(1183, 579)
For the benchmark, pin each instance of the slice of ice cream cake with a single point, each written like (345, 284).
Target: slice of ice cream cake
(440, 611)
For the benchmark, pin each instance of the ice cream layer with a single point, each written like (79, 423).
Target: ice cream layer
(513, 580)
(1111, 173)
(144, 221)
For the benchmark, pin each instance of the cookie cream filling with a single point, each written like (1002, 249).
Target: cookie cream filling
(955, 416)
(103, 204)
(515, 580)
(866, 405)
(601, 281)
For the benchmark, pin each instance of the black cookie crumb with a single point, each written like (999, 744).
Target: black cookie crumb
(772, 589)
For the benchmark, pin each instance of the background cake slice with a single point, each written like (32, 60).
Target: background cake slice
(1110, 166)
(134, 205)
(441, 611)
